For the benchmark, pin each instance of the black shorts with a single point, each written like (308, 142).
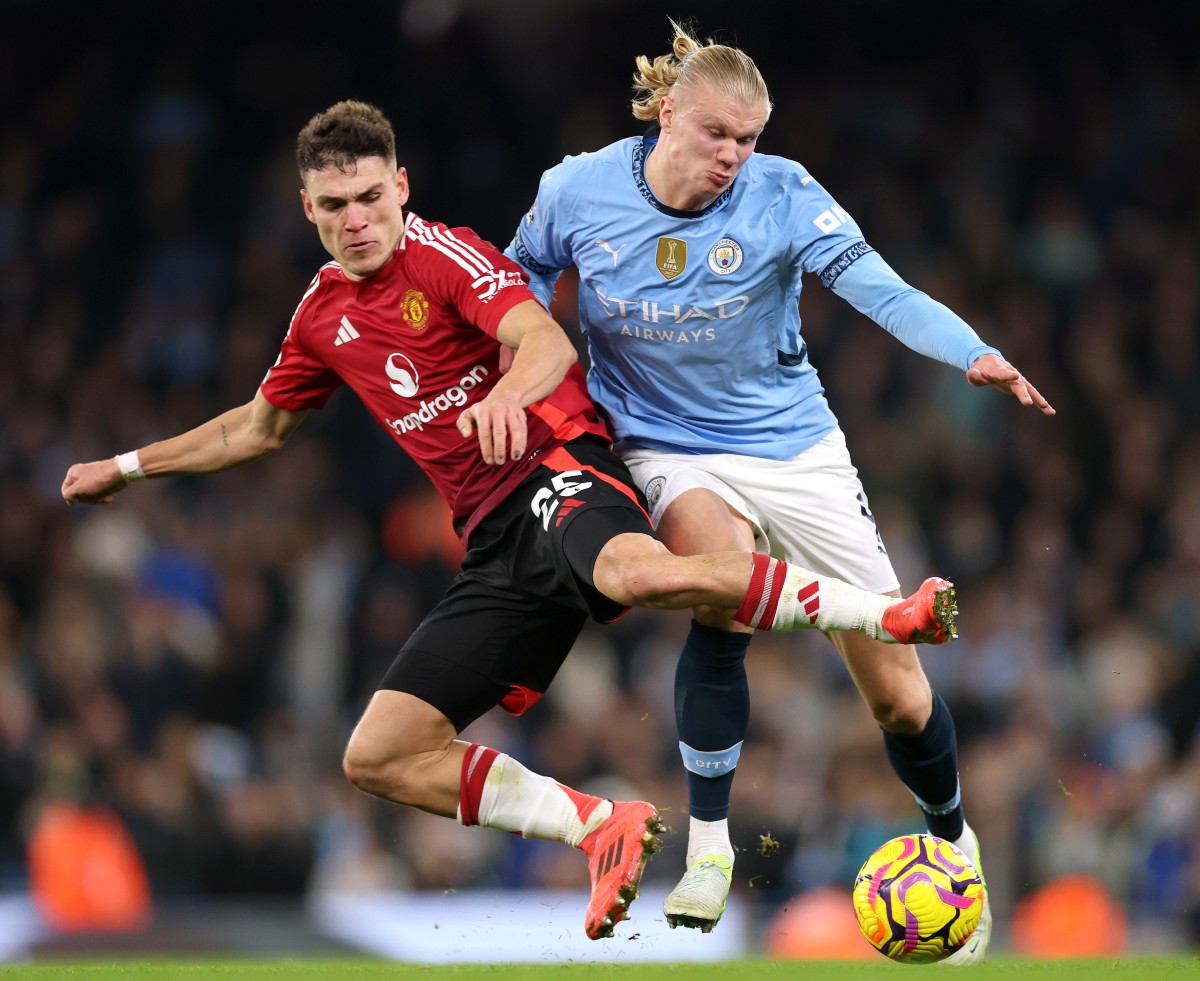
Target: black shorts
(510, 617)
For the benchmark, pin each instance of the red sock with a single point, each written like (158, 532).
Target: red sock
(475, 766)
(762, 598)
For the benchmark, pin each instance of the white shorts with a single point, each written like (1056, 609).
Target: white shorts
(811, 509)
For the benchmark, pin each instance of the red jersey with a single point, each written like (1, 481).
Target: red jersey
(417, 343)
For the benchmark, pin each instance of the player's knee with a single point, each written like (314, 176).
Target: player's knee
(365, 773)
(638, 574)
(904, 712)
(388, 775)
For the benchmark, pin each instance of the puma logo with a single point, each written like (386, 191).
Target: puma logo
(610, 250)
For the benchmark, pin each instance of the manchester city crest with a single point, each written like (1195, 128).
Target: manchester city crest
(725, 257)
(654, 490)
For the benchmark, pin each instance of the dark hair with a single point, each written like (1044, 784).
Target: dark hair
(343, 134)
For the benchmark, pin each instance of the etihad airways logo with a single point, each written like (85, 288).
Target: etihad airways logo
(676, 323)
(653, 312)
(406, 382)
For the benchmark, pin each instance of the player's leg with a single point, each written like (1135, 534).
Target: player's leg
(918, 731)
(922, 747)
(769, 594)
(819, 515)
(712, 712)
(491, 642)
(404, 750)
(634, 569)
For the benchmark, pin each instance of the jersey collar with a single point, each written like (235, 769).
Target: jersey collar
(641, 150)
(408, 219)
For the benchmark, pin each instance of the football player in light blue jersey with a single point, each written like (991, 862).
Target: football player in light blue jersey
(690, 249)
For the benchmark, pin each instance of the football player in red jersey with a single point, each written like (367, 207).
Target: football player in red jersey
(412, 315)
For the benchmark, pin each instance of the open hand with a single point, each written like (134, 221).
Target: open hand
(990, 369)
(501, 426)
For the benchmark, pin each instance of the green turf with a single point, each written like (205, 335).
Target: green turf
(1126, 969)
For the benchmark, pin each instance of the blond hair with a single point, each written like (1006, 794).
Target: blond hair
(692, 64)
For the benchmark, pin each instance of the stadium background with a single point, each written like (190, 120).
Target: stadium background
(191, 659)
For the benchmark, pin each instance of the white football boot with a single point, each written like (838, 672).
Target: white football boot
(699, 899)
(977, 943)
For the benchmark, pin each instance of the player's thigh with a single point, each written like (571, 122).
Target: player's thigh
(817, 514)
(699, 521)
(693, 505)
(890, 679)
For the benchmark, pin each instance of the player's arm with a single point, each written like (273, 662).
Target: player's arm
(542, 277)
(541, 244)
(228, 440)
(871, 286)
(544, 354)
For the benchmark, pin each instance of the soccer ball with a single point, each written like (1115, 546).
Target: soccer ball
(918, 898)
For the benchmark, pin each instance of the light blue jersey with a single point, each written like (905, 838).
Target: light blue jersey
(692, 318)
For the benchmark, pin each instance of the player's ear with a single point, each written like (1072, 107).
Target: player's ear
(308, 208)
(666, 111)
(402, 185)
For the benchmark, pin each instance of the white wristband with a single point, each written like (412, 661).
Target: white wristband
(130, 466)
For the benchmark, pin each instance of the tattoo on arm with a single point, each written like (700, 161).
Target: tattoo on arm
(224, 434)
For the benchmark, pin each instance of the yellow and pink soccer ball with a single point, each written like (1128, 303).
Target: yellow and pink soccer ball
(918, 899)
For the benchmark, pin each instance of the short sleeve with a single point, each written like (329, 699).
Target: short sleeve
(471, 275)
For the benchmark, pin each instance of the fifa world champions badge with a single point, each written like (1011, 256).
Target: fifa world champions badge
(725, 257)
(414, 308)
(670, 258)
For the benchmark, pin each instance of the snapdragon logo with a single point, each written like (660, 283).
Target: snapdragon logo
(403, 374)
(405, 381)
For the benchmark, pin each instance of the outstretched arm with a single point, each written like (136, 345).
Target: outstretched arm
(543, 356)
(930, 328)
(228, 440)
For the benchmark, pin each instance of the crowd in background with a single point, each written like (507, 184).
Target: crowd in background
(193, 656)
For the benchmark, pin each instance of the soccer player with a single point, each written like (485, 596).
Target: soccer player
(411, 315)
(690, 249)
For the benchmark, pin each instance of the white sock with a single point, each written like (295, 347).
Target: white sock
(516, 799)
(810, 601)
(708, 838)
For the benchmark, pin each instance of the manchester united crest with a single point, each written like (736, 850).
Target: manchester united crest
(415, 309)
(671, 257)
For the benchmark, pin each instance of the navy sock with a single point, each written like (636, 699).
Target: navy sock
(712, 712)
(927, 764)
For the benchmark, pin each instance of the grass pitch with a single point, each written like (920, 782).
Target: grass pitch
(1119, 969)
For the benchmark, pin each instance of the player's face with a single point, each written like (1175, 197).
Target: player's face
(707, 136)
(359, 213)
